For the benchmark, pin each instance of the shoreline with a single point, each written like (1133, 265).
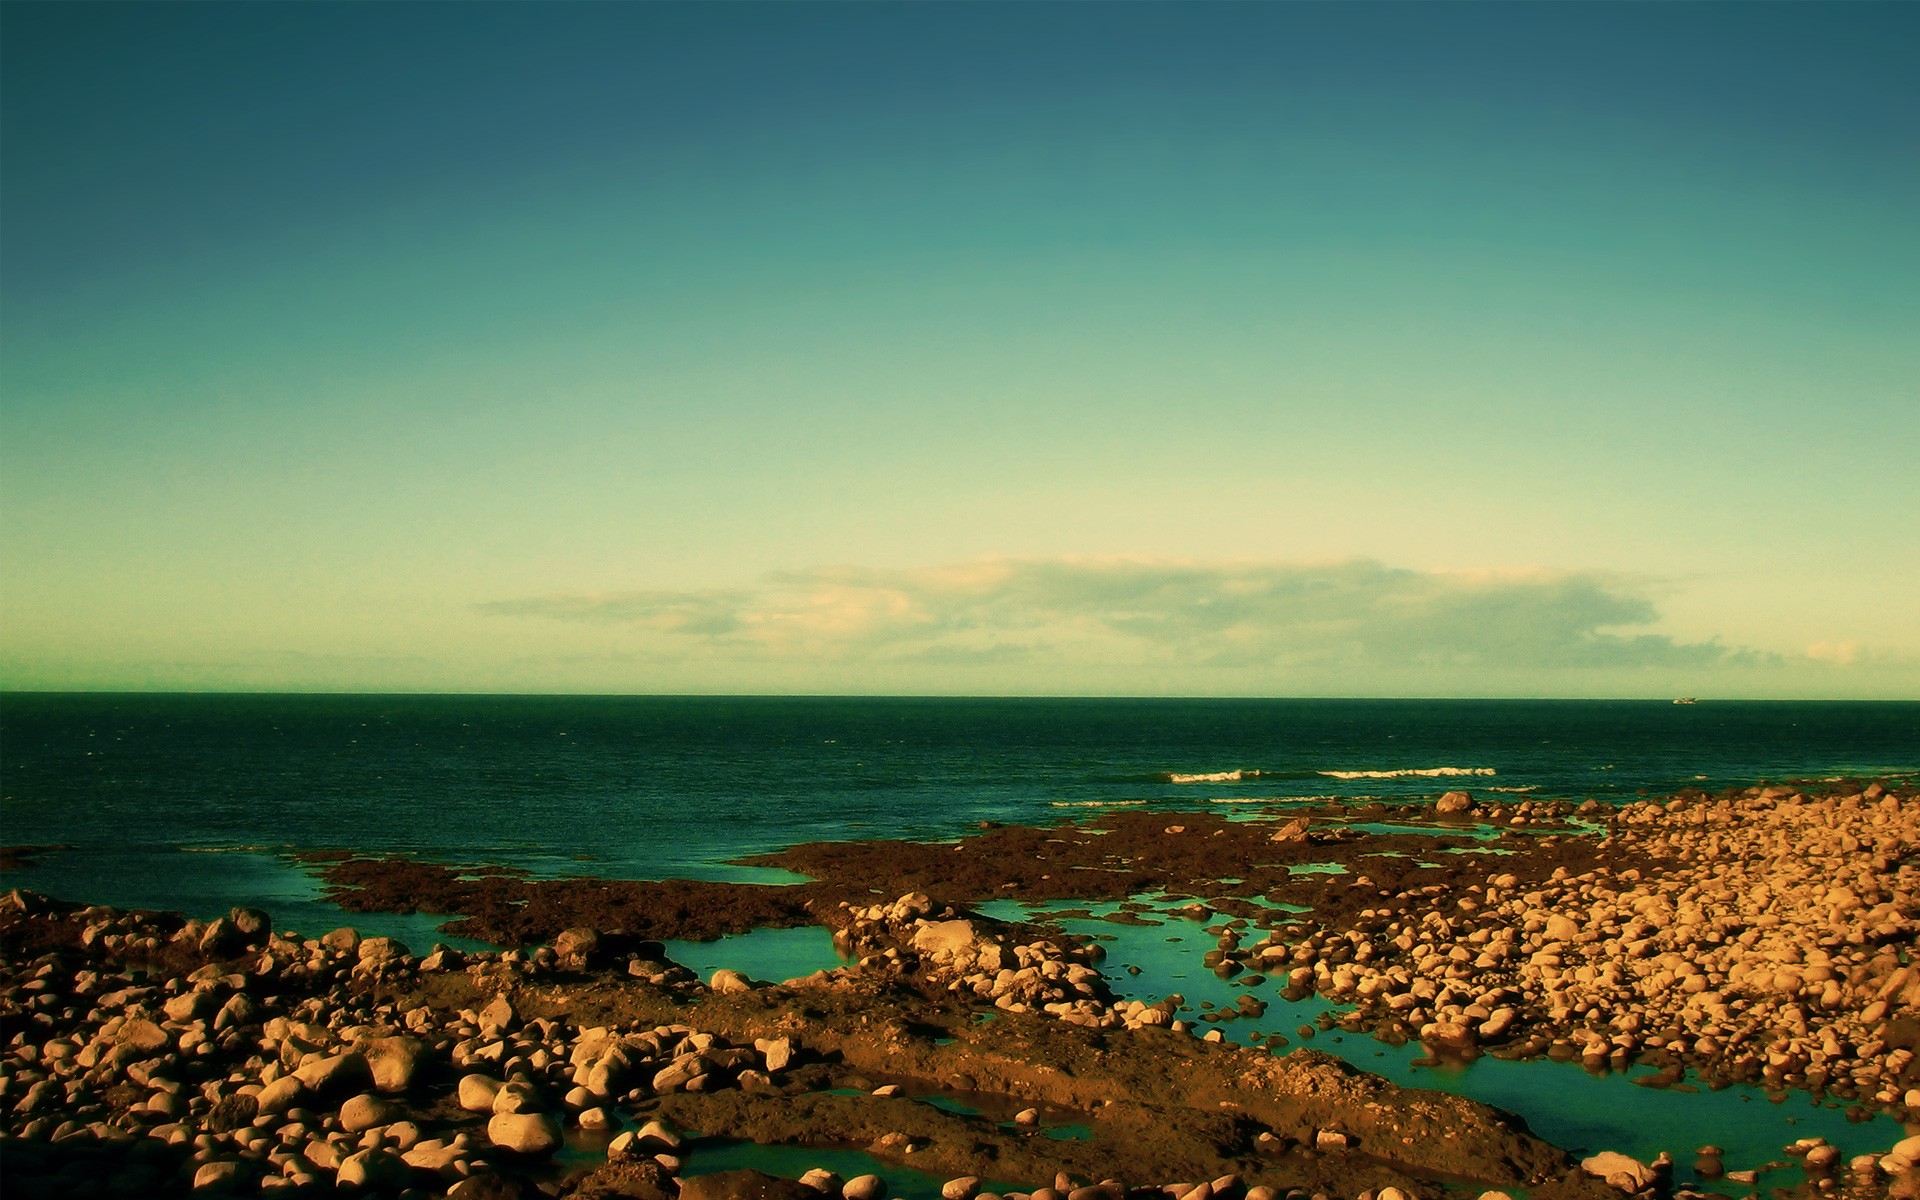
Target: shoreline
(1701, 933)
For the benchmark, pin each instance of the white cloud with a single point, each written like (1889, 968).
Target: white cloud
(1355, 614)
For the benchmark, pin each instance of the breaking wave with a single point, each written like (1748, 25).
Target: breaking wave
(1213, 777)
(1424, 772)
(1093, 803)
(1248, 774)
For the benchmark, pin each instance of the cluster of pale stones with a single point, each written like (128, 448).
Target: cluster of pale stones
(1766, 943)
(978, 960)
(282, 1074)
(970, 958)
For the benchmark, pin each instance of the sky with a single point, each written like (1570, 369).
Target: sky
(1138, 349)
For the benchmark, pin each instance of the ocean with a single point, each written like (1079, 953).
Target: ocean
(188, 801)
(192, 802)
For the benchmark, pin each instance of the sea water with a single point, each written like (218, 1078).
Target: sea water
(198, 803)
(152, 794)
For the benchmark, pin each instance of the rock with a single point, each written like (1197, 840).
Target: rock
(596, 1119)
(374, 1169)
(517, 1096)
(188, 1006)
(434, 1155)
(577, 948)
(655, 1135)
(964, 1188)
(223, 1175)
(948, 940)
(498, 1015)
(333, 1073)
(393, 1061)
(1620, 1171)
(477, 1092)
(365, 1111)
(239, 1010)
(864, 1187)
(524, 1132)
(1904, 1155)
(1451, 804)
(381, 951)
(1822, 1158)
(728, 982)
(822, 1180)
(1394, 1193)
(1561, 928)
(1448, 1035)
(143, 1036)
(220, 937)
(232, 1112)
(282, 1094)
(1293, 831)
(1026, 1118)
(344, 940)
(745, 1184)
(778, 1052)
(251, 924)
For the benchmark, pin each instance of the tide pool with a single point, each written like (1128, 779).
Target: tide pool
(1581, 1111)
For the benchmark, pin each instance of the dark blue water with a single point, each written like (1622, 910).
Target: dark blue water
(650, 787)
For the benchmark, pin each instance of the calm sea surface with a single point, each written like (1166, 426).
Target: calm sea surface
(651, 787)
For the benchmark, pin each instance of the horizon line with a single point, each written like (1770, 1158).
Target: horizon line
(612, 695)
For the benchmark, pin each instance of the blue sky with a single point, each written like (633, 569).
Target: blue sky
(1206, 349)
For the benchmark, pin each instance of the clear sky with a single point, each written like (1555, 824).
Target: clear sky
(1259, 349)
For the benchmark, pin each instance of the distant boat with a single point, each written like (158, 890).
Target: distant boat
(1686, 700)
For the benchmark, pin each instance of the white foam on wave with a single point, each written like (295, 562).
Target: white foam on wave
(1093, 803)
(1241, 800)
(1213, 777)
(1423, 772)
(1531, 787)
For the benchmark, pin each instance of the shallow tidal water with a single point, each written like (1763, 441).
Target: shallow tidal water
(1564, 1103)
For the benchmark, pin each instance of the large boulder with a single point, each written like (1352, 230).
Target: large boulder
(365, 1111)
(282, 1094)
(577, 948)
(1620, 1171)
(393, 1061)
(477, 1092)
(946, 940)
(524, 1132)
(335, 1073)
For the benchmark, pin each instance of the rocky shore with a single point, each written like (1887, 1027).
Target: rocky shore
(1766, 938)
(1767, 935)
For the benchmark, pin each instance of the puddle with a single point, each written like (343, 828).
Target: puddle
(771, 954)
